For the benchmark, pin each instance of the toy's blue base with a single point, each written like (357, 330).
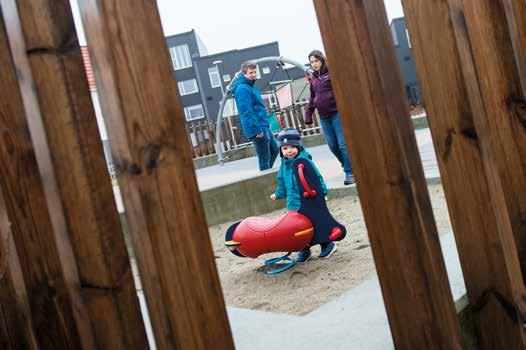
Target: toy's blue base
(273, 261)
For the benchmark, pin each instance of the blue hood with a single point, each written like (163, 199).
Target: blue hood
(241, 79)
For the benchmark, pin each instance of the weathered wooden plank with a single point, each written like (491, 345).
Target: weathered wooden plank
(516, 19)
(390, 178)
(140, 102)
(76, 184)
(486, 271)
(55, 306)
(16, 330)
(482, 27)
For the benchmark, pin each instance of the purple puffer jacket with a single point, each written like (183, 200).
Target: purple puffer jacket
(321, 96)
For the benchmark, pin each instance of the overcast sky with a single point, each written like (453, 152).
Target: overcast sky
(236, 24)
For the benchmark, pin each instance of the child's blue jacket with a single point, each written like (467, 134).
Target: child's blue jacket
(288, 186)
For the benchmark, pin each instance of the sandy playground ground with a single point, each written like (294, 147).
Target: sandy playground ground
(307, 286)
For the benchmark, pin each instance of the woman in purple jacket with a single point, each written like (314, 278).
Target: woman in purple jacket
(322, 98)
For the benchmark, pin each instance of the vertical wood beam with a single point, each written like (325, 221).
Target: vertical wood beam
(76, 224)
(54, 304)
(390, 178)
(483, 34)
(140, 103)
(488, 273)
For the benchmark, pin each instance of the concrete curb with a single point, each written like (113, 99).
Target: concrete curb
(249, 197)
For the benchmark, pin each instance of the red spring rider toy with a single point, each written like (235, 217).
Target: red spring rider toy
(292, 231)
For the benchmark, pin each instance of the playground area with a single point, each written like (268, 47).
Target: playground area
(309, 285)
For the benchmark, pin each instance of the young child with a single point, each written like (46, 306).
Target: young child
(291, 148)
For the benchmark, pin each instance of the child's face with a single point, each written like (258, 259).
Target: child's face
(289, 151)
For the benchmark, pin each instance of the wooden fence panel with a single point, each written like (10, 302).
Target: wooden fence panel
(487, 273)
(91, 218)
(390, 178)
(501, 125)
(140, 102)
(59, 318)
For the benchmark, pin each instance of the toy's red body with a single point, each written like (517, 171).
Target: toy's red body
(289, 232)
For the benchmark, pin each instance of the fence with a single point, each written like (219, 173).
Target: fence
(202, 133)
(66, 280)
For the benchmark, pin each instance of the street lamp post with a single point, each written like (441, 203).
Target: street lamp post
(233, 137)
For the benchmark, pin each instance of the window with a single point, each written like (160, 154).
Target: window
(266, 70)
(226, 77)
(408, 41)
(194, 112)
(230, 108)
(393, 32)
(270, 100)
(258, 73)
(180, 57)
(188, 87)
(215, 80)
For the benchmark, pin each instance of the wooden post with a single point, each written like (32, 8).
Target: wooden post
(487, 273)
(140, 102)
(390, 178)
(80, 200)
(483, 34)
(516, 18)
(16, 329)
(59, 318)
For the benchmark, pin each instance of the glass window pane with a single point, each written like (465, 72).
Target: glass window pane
(215, 80)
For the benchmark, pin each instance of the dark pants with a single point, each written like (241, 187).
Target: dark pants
(267, 149)
(332, 129)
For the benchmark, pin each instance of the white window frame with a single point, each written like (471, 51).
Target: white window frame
(226, 78)
(214, 72)
(182, 89)
(395, 36)
(175, 52)
(266, 70)
(187, 112)
(408, 40)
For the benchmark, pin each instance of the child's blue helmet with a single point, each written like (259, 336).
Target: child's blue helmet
(289, 136)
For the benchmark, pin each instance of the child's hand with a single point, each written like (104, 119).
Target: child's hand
(273, 196)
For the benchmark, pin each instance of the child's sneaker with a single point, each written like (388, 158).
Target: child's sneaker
(327, 250)
(303, 256)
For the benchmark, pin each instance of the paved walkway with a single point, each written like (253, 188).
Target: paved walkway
(329, 167)
(356, 320)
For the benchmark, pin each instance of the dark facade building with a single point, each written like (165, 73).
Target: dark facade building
(203, 78)
(217, 71)
(404, 54)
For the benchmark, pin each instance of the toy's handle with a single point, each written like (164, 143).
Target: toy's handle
(309, 192)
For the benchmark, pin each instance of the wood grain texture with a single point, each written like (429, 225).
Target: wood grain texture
(16, 329)
(498, 78)
(75, 189)
(48, 281)
(140, 103)
(390, 178)
(71, 132)
(487, 273)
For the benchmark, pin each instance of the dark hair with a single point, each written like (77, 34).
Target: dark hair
(319, 55)
(248, 65)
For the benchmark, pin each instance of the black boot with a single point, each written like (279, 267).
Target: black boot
(349, 179)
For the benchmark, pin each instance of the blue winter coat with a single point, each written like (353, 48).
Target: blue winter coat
(252, 111)
(288, 186)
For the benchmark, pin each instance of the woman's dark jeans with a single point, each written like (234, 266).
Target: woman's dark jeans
(332, 129)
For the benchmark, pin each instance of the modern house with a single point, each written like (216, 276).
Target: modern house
(202, 78)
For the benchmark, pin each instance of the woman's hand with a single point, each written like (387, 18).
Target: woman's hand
(273, 196)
